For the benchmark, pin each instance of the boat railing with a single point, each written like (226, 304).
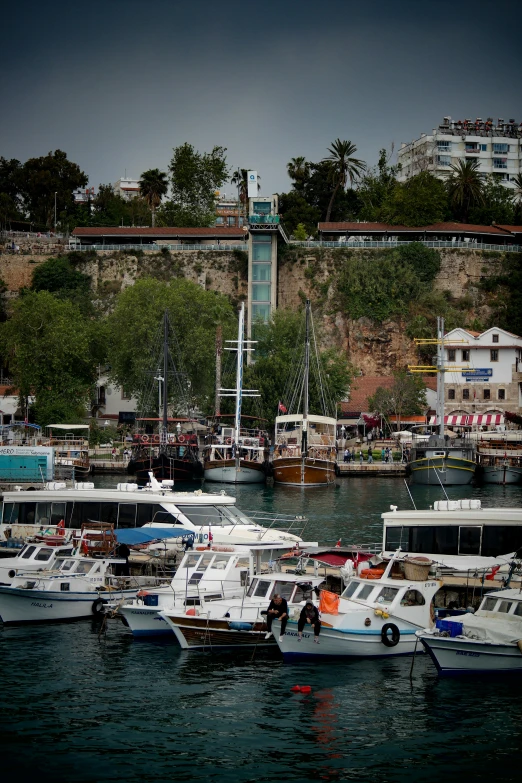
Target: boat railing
(285, 522)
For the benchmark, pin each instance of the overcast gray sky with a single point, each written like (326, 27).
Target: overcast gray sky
(118, 83)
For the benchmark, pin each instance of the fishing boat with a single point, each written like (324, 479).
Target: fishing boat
(239, 622)
(305, 452)
(36, 556)
(71, 450)
(436, 458)
(169, 456)
(236, 456)
(489, 641)
(376, 616)
(499, 457)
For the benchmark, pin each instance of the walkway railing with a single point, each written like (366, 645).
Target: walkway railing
(159, 248)
(397, 243)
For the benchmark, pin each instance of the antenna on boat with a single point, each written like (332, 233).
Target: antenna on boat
(409, 493)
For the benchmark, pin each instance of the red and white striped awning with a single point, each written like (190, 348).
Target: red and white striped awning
(475, 420)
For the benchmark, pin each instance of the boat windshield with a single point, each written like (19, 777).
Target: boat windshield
(216, 516)
(67, 565)
(387, 595)
(350, 590)
(259, 588)
(44, 554)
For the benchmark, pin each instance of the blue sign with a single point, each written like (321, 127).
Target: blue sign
(479, 373)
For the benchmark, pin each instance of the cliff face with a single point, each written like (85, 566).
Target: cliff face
(375, 348)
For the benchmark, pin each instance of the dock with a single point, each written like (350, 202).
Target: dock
(374, 469)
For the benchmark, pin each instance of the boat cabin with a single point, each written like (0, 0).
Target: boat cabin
(505, 603)
(320, 430)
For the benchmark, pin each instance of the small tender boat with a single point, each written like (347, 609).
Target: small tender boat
(376, 616)
(488, 641)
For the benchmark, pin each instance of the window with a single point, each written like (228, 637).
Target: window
(262, 588)
(489, 604)
(494, 354)
(261, 273)
(261, 311)
(451, 354)
(28, 552)
(444, 146)
(261, 251)
(465, 394)
(495, 338)
(350, 590)
(191, 561)
(412, 598)
(500, 163)
(127, 515)
(231, 221)
(125, 395)
(67, 565)
(505, 606)
(364, 592)
(501, 149)
(220, 562)
(44, 554)
(451, 394)
(285, 589)
(303, 592)
(499, 539)
(518, 609)
(220, 221)
(387, 595)
(262, 207)
(469, 540)
(486, 394)
(65, 587)
(465, 354)
(261, 292)
(502, 394)
(444, 160)
(483, 147)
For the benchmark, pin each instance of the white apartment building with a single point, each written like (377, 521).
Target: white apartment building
(488, 380)
(497, 146)
(127, 187)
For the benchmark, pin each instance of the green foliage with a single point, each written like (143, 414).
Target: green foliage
(406, 397)
(153, 186)
(195, 178)
(420, 201)
(317, 192)
(194, 315)
(58, 276)
(505, 294)
(52, 352)
(465, 187)
(384, 284)
(497, 204)
(111, 209)
(342, 167)
(300, 233)
(376, 187)
(41, 178)
(295, 210)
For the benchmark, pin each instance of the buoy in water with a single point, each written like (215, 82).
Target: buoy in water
(296, 688)
(301, 688)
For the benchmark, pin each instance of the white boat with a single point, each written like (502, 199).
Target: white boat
(156, 505)
(203, 575)
(376, 618)
(239, 622)
(236, 457)
(78, 587)
(37, 556)
(485, 642)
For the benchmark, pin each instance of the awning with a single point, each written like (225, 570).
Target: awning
(476, 420)
(68, 426)
(143, 535)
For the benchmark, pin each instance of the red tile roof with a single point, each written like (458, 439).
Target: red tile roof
(113, 231)
(365, 386)
(361, 228)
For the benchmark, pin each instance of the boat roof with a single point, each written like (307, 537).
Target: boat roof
(283, 576)
(509, 592)
(476, 516)
(67, 426)
(311, 417)
(118, 495)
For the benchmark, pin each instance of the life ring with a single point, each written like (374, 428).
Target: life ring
(228, 441)
(98, 606)
(144, 438)
(371, 573)
(388, 641)
(181, 439)
(247, 442)
(155, 438)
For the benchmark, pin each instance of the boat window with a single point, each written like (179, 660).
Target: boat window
(44, 554)
(412, 598)
(505, 606)
(386, 595)
(350, 590)
(518, 609)
(43, 513)
(26, 513)
(285, 589)
(206, 515)
(27, 552)
(500, 539)
(195, 577)
(109, 513)
(65, 587)
(67, 565)
(243, 562)
(489, 604)
(394, 538)
(469, 540)
(250, 591)
(127, 515)
(57, 513)
(364, 592)
(145, 513)
(191, 561)
(83, 568)
(303, 592)
(236, 516)
(221, 562)
(262, 588)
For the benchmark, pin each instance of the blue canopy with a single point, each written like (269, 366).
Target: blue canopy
(142, 535)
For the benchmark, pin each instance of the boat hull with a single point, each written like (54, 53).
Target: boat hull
(201, 633)
(466, 656)
(226, 471)
(19, 605)
(145, 621)
(304, 471)
(164, 466)
(438, 470)
(500, 474)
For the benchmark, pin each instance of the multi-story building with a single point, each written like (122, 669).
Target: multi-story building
(229, 212)
(127, 187)
(488, 380)
(496, 146)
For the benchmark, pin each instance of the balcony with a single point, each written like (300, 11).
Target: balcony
(263, 220)
(472, 151)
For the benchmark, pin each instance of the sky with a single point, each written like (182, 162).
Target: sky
(118, 83)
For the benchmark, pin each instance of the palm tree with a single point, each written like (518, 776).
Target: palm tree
(343, 167)
(298, 170)
(465, 187)
(153, 186)
(517, 194)
(239, 178)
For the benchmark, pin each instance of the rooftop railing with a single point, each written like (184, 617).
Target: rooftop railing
(397, 243)
(263, 219)
(159, 248)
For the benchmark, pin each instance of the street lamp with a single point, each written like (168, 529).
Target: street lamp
(55, 192)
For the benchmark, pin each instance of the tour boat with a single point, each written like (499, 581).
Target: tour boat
(209, 516)
(71, 450)
(376, 616)
(499, 458)
(489, 641)
(239, 622)
(37, 556)
(305, 452)
(235, 457)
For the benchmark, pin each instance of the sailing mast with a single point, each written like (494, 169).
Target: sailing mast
(239, 377)
(219, 351)
(440, 375)
(304, 442)
(164, 428)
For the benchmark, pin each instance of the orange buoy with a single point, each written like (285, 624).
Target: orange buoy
(296, 688)
(192, 611)
(306, 689)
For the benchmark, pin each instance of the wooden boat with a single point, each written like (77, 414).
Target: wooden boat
(305, 452)
(499, 461)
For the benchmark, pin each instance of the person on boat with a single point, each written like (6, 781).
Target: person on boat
(122, 552)
(347, 455)
(277, 609)
(309, 614)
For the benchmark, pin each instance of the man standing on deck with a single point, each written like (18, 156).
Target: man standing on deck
(278, 609)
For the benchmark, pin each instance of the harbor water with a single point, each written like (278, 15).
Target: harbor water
(76, 707)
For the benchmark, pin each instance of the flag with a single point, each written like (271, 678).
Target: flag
(281, 408)
(338, 543)
(494, 570)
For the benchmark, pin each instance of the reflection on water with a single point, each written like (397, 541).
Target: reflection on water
(75, 709)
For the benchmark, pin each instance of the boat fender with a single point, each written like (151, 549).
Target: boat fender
(181, 439)
(228, 441)
(155, 439)
(144, 438)
(11, 574)
(393, 640)
(98, 606)
(247, 442)
(191, 612)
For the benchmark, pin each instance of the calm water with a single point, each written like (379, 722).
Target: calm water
(73, 708)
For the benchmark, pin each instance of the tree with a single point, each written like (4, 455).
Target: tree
(375, 187)
(52, 353)
(195, 178)
(300, 233)
(59, 277)
(406, 397)
(420, 201)
(194, 315)
(43, 179)
(295, 210)
(10, 183)
(517, 197)
(497, 204)
(153, 186)
(465, 188)
(317, 192)
(298, 170)
(343, 167)
(239, 178)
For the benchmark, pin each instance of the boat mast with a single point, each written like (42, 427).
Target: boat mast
(440, 375)
(304, 444)
(239, 375)
(163, 434)
(219, 351)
